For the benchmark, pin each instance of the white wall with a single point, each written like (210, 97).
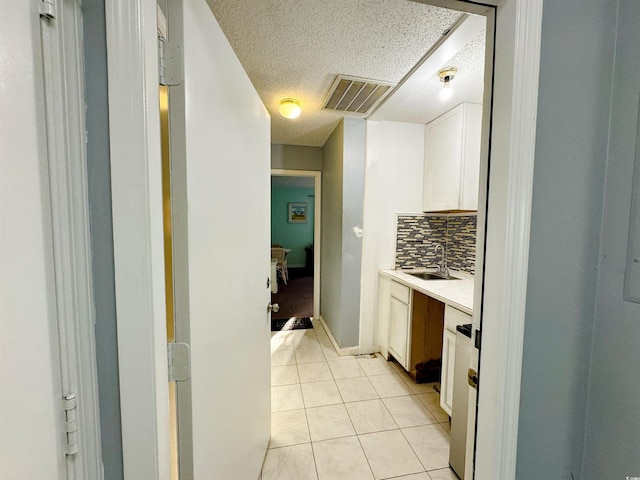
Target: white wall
(570, 158)
(613, 420)
(30, 406)
(393, 184)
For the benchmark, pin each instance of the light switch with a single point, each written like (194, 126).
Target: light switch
(632, 275)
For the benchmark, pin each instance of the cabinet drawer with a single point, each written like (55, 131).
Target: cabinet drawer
(400, 292)
(453, 318)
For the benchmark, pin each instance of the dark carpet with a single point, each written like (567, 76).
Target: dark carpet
(291, 324)
(295, 298)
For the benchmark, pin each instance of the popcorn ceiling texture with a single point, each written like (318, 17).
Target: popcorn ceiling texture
(417, 236)
(468, 87)
(295, 48)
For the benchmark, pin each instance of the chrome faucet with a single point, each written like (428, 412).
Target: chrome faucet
(443, 270)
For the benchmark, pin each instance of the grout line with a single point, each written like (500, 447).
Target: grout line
(315, 464)
(364, 452)
(343, 403)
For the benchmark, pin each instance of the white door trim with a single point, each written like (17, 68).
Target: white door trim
(134, 123)
(63, 71)
(317, 203)
(131, 32)
(515, 106)
(501, 296)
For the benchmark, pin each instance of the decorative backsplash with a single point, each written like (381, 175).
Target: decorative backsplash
(417, 236)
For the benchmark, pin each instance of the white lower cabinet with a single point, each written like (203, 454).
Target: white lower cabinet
(399, 322)
(446, 379)
(412, 325)
(395, 320)
(452, 318)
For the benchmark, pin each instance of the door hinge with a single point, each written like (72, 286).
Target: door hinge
(47, 8)
(478, 339)
(179, 358)
(70, 405)
(169, 62)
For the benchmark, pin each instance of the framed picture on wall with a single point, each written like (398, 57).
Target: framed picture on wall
(297, 213)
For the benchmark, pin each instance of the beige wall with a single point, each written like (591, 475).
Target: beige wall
(296, 157)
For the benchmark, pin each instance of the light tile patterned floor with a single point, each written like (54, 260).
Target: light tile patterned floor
(350, 418)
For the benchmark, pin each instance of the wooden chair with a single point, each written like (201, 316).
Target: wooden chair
(280, 254)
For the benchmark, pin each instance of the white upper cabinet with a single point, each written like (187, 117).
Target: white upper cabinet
(452, 160)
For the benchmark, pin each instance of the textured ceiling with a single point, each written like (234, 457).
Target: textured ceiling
(422, 105)
(295, 48)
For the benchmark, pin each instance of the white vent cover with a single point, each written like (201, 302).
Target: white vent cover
(356, 96)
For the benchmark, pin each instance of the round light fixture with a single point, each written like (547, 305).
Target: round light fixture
(446, 75)
(290, 108)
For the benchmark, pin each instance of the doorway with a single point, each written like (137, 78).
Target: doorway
(517, 53)
(302, 237)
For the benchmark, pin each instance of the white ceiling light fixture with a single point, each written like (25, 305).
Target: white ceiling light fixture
(290, 108)
(446, 75)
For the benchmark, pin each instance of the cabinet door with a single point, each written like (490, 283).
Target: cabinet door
(470, 169)
(452, 160)
(383, 315)
(443, 162)
(448, 360)
(398, 330)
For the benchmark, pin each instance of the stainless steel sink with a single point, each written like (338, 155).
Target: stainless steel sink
(431, 276)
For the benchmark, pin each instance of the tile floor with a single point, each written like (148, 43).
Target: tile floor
(350, 418)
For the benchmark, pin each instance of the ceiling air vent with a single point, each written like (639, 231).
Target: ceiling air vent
(356, 96)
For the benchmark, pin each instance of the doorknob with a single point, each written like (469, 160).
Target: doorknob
(472, 378)
(273, 307)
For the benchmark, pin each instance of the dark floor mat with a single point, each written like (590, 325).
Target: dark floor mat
(290, 324)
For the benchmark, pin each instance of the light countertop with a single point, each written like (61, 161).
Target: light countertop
(457, 293)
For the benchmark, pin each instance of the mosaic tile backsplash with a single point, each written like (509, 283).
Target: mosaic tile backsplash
(417, 236)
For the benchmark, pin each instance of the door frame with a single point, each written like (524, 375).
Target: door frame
(504, 211)
(317, 225)
(138, 237)
(63, 86)
(137, 219)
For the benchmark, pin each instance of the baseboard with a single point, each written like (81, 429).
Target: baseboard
(341, 351)
(369, 349)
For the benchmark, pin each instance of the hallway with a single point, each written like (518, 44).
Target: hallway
(336, 418)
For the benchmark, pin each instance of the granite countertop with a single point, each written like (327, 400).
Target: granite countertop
(457, 293)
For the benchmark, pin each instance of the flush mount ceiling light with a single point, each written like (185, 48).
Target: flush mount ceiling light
(446, 75)
(290, 108)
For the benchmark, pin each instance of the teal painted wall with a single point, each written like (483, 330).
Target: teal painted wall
(294, 236)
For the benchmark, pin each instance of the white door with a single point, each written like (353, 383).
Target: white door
(227, 133)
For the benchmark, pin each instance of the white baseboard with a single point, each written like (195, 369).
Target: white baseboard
(341, 351)
(369, 349)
